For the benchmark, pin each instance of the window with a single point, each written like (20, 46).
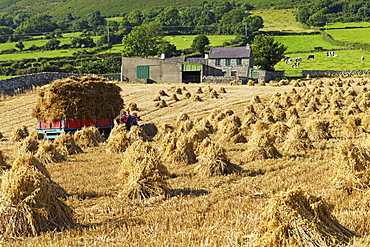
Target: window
(233, 73)
(218, 62)
(239, 61)
(228, 61)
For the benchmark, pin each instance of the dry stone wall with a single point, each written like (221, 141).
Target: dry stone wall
(18, 84)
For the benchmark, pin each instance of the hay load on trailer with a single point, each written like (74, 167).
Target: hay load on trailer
(67, 105)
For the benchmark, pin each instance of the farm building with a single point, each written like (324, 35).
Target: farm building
(222, 64)
(233, 61)
(166, 70)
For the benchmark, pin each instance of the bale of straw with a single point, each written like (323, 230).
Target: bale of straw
(87, 97)
(66, 145)
(137, 133)
(88, 137)
(19, 134)
(3, 165)
(260, 146)
(295, 218)
(222, 90)
(132, 107)
(317, 129)
(142, 172)
(118, 139)
(157, 98)
(352, 171)
(27, 159)
(213, 161)
(213, 94)
(279, 131)
(185, 126)
(174, 97)
(47, 153)
(196, 98)
(297, 141)
(27, 205)
(29, 144)
(162, 93)
(161, 104)
(183, 151)
(199, 90)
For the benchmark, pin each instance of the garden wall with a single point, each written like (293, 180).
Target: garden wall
(18, 84)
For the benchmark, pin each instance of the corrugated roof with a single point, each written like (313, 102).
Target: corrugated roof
(229, 52)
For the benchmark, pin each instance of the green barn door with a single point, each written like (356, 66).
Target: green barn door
(142, 72)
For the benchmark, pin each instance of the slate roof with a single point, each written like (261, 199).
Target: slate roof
(229, 52)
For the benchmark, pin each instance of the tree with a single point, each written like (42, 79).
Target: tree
(20, 45)
(199, 43)
(254, 23)
(52, 44)
(142, 41)
(267, 52)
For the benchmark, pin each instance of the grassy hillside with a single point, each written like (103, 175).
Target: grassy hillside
(110, 7)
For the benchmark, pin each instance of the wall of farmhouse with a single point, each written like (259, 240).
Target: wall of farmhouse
(233, 69)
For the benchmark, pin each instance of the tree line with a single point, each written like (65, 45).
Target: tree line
(319, 12)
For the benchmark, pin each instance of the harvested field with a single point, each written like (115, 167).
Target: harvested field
(200, 206)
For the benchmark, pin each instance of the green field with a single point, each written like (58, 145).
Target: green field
(360, 35)
(346, 60)
(282, 20)
(348, 24)
(296, 43)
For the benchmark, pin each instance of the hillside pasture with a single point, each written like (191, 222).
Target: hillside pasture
(359, 35)
(297, 43)
(348, 24)
(345, 60)
(282, 20)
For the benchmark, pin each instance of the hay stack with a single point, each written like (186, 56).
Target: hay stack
(47, 153)
(19, 134)
(137, 133)
(87, 97)
(185, 126)
(88, 137)
(260, 146)
(161, 104)
(213, 161)
(199, 90)
(3, 165)
(196, 98)
(29, 144)
(353, 167)
(66, 145)
(182, 151)
(187, 95)
(297, 141)
(295, 218)
(142, 172)
(118, 139)
(222, 90)
(318, 129)
(173, 97)
(162, 93)
(213, 94)
(28, 205)
(279, 131)
(132, 107)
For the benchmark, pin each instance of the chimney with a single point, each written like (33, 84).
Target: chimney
(163, 56)
(206, 56)
(248, 47)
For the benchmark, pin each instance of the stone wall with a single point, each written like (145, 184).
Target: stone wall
(224, 79)
(20, 83)
(334, 73)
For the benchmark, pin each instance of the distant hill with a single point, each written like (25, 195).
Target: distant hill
(60, 8)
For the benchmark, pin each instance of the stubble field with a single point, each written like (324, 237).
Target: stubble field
(296, 143)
